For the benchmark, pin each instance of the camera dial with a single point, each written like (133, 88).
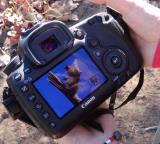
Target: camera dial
(115, 61)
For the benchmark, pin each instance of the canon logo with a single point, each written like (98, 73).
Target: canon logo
(84, 105)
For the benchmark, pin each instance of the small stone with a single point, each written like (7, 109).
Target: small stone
(3, 116)
(44, 140)
(74, 17)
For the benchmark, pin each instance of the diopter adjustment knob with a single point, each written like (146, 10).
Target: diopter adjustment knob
(115, 61)
(13, 64)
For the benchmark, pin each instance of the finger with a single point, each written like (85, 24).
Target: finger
(82, 134)
(107, 121)
(77, 134)
(103, 105)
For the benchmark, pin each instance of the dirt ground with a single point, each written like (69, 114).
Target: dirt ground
(132, 120)
(144, 112)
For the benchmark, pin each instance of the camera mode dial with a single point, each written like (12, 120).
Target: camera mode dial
(115, 61)
(14, 64)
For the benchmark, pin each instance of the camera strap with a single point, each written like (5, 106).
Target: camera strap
(132, 95)
(91, 121)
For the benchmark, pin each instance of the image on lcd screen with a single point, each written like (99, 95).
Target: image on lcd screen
(70, 82)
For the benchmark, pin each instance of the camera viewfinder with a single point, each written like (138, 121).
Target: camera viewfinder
(49, 45)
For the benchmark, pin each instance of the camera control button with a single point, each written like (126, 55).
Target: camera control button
(38, 107)
(45, 115)
(24, 88)
(52, 125)
(17, 77)
(98, 54)
(31, 98)
(116, 61)
(27, 70)
(92, 42)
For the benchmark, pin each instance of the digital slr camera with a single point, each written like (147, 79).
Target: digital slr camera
(60, 74)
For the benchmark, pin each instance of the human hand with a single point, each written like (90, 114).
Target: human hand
(82, 135)
(144, 22)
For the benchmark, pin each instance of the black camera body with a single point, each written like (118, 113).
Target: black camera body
(62, 74)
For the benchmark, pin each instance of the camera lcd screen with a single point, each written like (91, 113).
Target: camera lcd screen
(49, 45)
(70, 82)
